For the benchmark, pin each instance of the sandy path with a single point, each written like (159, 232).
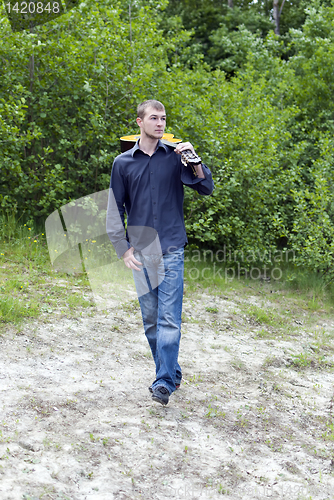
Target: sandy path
(77, 420)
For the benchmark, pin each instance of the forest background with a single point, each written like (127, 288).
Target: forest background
(250, 84)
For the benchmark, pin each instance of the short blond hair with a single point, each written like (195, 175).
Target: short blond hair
(142, 107)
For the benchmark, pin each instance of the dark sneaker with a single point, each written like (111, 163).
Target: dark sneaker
(176, 385)
(160, 395)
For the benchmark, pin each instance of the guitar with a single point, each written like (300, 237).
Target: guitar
(187, 156)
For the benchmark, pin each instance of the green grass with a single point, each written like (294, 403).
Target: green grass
(29, 286)
(265, 333)
(329, 435)
(264, 316)
(306, 360)
(211, 309)
(12, 310)
(308, 289)
(132, 306)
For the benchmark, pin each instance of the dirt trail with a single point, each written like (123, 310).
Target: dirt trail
(249, 422)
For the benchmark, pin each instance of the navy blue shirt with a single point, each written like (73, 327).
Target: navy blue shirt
(150, 189)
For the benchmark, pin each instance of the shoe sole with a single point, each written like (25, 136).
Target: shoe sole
(151, 390)
(158, 400)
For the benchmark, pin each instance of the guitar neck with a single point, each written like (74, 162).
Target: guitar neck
(168, 143)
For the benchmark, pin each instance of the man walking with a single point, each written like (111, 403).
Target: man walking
(147, 182)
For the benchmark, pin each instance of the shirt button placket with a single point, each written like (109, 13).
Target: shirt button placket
(154, 195)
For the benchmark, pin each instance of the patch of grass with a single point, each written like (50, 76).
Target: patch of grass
(302, 360)
(131, 306)
(273, 361)
(77, 300)
(306, 360)
(4, 439)
(238, 364)
(329, 434)
(264, 333)
(242, 419)
(264, 316)
(204, 271)
(14, 310)
(214, 412)
(105, 441)
(196, 379)
(92, 438)
(29, 286)
(221, 490)
(308, 290)
(215, 346)
(211, 309)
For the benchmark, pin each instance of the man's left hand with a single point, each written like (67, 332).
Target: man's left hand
(182, 146)
(187, 145)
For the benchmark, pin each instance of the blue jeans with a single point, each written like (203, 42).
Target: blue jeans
(161, 310)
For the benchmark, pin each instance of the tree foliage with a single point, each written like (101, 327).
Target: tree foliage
(82, 76)
(257, 106)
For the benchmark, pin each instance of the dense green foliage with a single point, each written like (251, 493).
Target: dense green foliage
(257, 107)
(82, 76)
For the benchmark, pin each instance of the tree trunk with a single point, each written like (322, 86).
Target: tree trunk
(230, 4)
(276, 15)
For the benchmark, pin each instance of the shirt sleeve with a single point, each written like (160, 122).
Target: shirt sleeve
(203, 186)
(115, 213)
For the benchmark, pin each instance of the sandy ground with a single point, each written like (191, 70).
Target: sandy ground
(78, 422)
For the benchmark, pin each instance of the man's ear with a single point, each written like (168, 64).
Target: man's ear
(139, 121)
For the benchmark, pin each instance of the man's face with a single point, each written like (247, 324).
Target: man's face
(153, 124)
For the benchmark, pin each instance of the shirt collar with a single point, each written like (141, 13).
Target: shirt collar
(159, 145)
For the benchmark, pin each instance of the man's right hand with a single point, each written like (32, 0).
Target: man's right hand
(130, 261)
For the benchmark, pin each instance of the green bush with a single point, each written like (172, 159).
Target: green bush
(69, 90)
